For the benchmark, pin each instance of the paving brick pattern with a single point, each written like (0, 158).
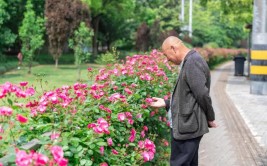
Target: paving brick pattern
(232, 143)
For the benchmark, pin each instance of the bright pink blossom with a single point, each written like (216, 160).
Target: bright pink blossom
(128, 91)
(89, 69)
(22, 119)
(166, 97)
(103, 164)
(121, 116)
(54, 136)
(143, 106)
(115, 87)
(132, 136)
(128, 115)
(149, 100)
(130, 121)
(139, 116)
(143, 134)
(30, 91)
(22, 158)
(5, 111)
(145, 128)
(40, 159)
(63, 162)
(114, 151)
(57, 153)
(101, 149)
(110, 142)
(23, 83)
(148, 156)
(100, 127)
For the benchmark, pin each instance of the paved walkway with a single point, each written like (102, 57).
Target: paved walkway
(240, 139)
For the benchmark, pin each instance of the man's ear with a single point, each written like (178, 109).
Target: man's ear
(172, 47)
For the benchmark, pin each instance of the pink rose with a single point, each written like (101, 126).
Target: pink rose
(22, 119)
(101, 149)
(114, 151)
(23, 83)
(121, 116)
(110, 142)
(103, 164)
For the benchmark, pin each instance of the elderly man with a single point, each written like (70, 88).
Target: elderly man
(190, 108)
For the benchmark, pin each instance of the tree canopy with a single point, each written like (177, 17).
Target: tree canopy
(116, 23)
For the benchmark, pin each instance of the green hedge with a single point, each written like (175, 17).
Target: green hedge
(48, 59)
(4, 67)
(216, 60)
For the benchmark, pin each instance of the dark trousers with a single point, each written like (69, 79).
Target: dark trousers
(184, 152)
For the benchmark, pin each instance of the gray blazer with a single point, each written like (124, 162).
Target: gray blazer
(191, 106)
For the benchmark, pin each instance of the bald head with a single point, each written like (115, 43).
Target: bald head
(171, 41)
(174, 49)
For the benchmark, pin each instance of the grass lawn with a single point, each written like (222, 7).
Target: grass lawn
(50, 76)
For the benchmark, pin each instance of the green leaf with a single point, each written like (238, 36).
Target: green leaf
(89, 163)
(10, 102)
(65, 148)
(136, 96)
(73, 149)
(75, 141)
(90, 152)
(101, 143)
(83, 161)
(131, 144)
(68, 154)
(79, 148)
(92, 146)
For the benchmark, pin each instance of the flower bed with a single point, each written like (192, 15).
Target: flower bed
(104, 122)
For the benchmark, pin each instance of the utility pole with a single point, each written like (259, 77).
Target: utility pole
(258, 67)
(190, 18)
(182, 12)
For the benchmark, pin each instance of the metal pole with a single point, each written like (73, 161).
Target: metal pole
(258, 66)
(190, 18)
(182, 11)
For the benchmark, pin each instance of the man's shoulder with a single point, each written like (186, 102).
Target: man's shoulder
(196, 56)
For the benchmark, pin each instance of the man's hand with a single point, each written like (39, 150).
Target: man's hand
(157, 102)
(212, 124)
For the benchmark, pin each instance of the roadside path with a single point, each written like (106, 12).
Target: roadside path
(232, 143)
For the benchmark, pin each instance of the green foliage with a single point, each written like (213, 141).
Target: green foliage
(240, 11)
(109, 57)
(211, 25)
(80, 43)
(68, 111)
(4, 67)
(216, 60)
(6, 36)
(31, 34)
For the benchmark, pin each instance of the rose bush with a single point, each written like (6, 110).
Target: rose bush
(104, 122)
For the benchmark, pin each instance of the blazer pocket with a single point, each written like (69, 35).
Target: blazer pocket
(187, 123)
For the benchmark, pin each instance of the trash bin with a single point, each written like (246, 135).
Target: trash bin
(239, 65)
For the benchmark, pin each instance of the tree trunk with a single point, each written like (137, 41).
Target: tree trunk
(96, 27)
(30, 68)
(79, 73)
(108, 45)
(56, 62)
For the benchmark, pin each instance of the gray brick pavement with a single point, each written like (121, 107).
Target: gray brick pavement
(233, 143)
